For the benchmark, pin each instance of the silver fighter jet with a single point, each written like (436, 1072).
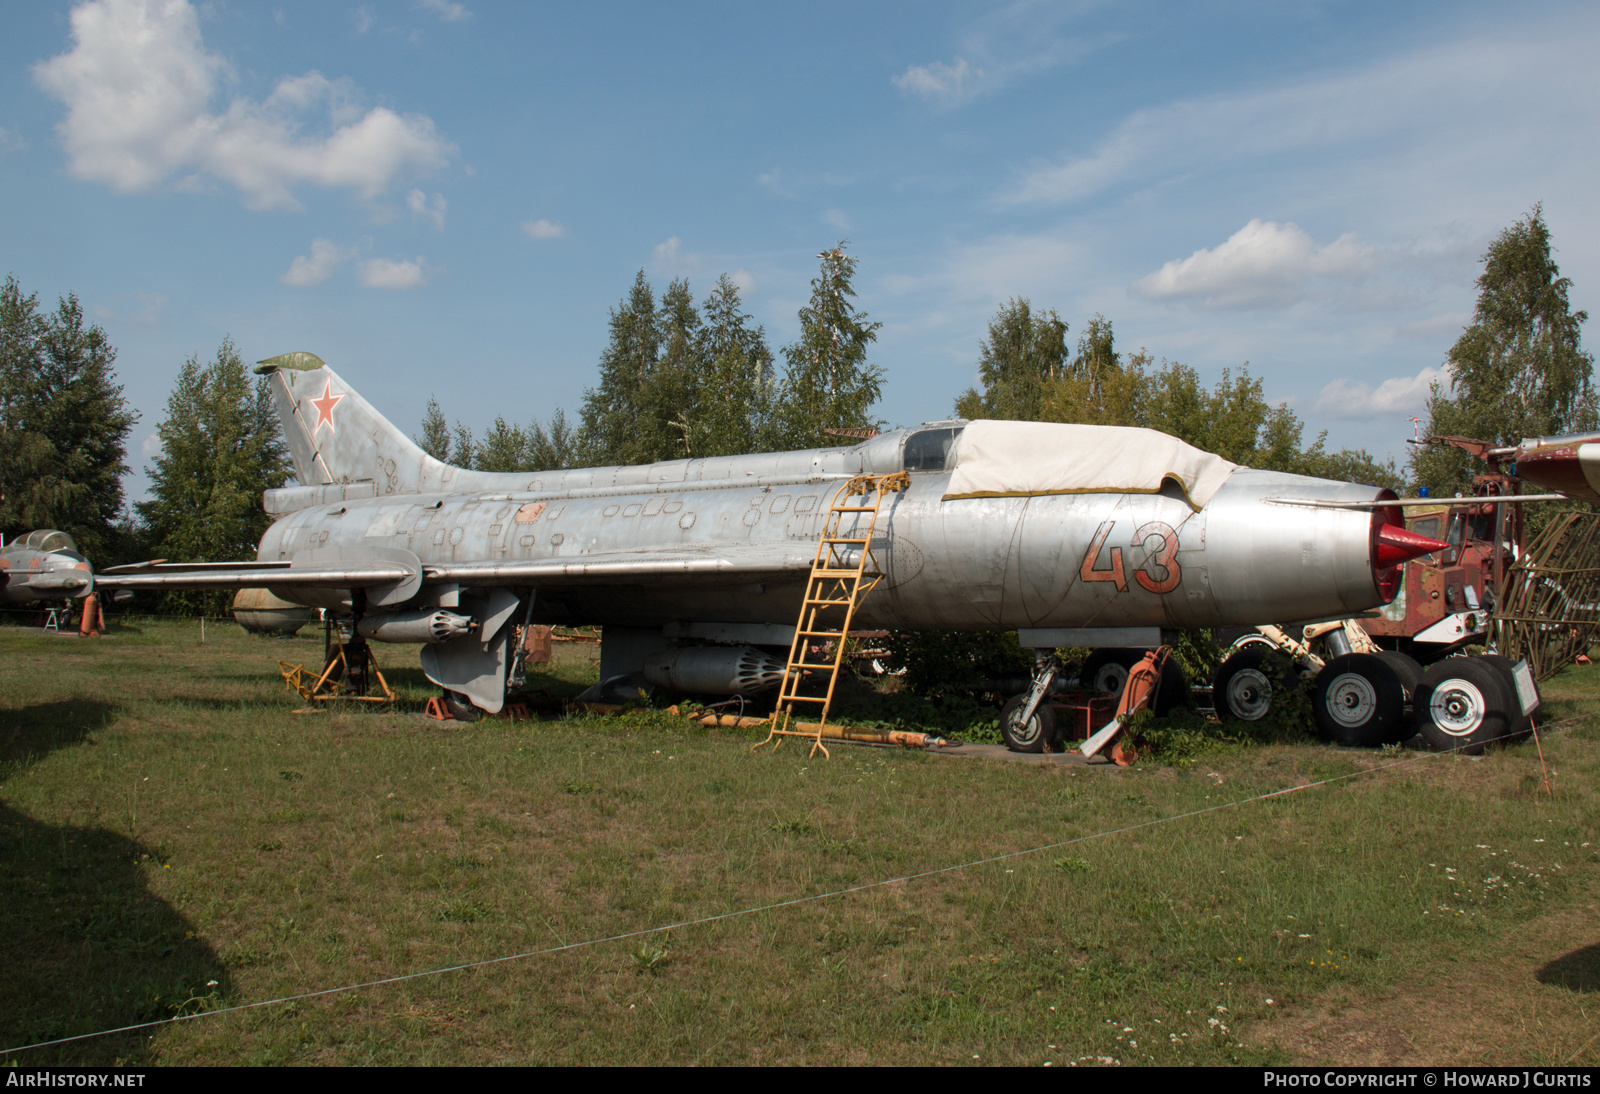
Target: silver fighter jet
(1071, 535)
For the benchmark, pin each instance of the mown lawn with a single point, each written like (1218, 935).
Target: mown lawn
(175, 838)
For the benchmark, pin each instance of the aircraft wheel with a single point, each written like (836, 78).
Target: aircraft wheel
(1358, 700)
(460, 707)
(1406, 668)
(1039, 731)
(1521, 724)
(1105, 673)
(1173, 690)
(1246, 685)
(1463, 704)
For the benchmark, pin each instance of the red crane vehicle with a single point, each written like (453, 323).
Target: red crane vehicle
(1397, 672)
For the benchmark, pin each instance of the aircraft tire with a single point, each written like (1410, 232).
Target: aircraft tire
(1462, 705)
(460, 707)
(1406, 668)
(1105, 673)
(1250, 683)
(1173, 690)
(1358, 700)
(1521, 724)
(1041, 729)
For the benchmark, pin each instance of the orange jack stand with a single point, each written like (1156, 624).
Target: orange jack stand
(441, 713)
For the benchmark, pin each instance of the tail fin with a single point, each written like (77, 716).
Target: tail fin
(335, 436)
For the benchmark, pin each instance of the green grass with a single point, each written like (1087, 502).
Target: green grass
(167, 820)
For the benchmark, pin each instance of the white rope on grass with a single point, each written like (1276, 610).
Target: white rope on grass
(643, 932)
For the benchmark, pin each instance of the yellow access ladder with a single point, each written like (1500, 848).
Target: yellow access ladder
(842, 573)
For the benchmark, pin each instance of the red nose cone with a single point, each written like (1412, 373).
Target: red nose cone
(1396, 545)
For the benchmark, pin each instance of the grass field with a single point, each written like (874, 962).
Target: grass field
(175, 838)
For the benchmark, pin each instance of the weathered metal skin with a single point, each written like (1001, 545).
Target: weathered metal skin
(662, 548)
(982, 563)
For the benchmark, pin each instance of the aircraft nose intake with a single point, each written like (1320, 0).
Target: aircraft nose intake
(1396, 545)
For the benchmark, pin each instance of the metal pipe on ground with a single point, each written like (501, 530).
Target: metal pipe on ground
(903, 738)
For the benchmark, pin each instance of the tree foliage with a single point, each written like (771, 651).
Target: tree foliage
(828, 382)
(63, 424)
(1026, 376)
(729, 394)
(675, 381)
(221, 446)
(1023, 353)
(435, 438)
(680, 381)
(619, 423)
(1520, 369)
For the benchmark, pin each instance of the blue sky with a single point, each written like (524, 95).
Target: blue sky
(447, 198)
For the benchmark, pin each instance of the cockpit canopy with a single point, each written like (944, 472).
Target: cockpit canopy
(929, 449)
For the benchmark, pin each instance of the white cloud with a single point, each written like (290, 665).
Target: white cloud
(1451, 323)
(774, 180)
(138, 85)
(1008, 42)
(835, 218)
(315, 268)
(1398, 396)
(671, 260)
(148, 312)
(363, 20)
(447, 10)
(945, 84)
(150, 447)
(1263, 264)
(1450, 108)
(385, 273)
(543, 229)
(985, 273)
(417, 202)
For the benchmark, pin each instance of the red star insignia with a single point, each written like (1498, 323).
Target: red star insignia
(324, 406)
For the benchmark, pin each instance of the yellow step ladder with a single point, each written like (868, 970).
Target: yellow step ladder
(842, 573)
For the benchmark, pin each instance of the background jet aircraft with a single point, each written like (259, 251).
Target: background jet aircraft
(43, 565)
(1072, 535)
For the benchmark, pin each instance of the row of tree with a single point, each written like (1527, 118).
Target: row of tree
(679, 379)
(1029, 373)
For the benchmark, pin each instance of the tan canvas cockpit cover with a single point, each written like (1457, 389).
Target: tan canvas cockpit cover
(1023, 459)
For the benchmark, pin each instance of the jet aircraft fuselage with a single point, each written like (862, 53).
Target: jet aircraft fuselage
(1078, 535)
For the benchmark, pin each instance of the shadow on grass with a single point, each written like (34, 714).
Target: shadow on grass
(86, 946)
(1577, 971)
(32, 733)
